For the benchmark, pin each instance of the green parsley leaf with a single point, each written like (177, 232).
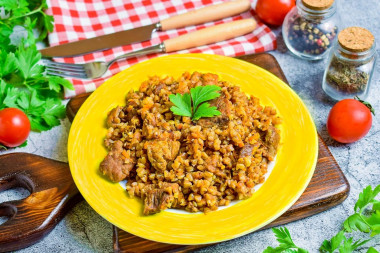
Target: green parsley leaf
(356, 222)
(20, 9)
(27, 62)
(9, 5)
(376, 206)
(7, 63)
(201, 94)
(333, 244)
(374, 222)
(372, 250)
(5, 42)
(348, 246)
(54, 110)
(11, 97)
(30, 104)
(46, 25)
(362, 222)
(8, 95)
(286, 242)
(182, 104)
(55, 83)
(367, 197)
(194, 105)
(24, 144)
(204, 110)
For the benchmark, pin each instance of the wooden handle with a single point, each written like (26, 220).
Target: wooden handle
(53, 194)
(210, 35)
(206, 14)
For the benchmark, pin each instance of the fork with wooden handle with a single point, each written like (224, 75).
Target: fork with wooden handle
(201, 37)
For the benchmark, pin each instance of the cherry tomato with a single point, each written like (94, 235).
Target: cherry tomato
(14, 127)
(273, 12)
(349, 120)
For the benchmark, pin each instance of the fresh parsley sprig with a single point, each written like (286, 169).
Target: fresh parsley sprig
(286, 243)
(363, 220)
(194, 105)
(366, 219)
(23, 83)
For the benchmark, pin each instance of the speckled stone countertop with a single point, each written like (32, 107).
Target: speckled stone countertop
(83, 230)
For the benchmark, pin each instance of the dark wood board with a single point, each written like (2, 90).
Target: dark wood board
(327, 188)
(52, 194)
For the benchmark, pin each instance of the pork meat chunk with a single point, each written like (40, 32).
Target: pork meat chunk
(246, 150)
(160, 198)
(113, 116)
(272, 139)
(160, 152)
(113, 166)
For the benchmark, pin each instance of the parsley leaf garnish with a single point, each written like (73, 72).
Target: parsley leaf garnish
(193, 105)
(201, 94)
(205, 110)
(182, 104)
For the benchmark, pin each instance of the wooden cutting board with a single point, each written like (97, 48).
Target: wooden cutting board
(327, 188)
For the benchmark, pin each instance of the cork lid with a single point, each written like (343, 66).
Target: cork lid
(318, 4)
(356, 39)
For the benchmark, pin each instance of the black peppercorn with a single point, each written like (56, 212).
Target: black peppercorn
(314, 40)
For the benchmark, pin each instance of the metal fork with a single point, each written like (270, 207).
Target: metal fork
(96, 69)
(193, 39)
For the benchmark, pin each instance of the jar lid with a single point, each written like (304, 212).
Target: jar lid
(356, 39)
(318, 4)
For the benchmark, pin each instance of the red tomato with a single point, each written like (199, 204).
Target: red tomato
(349, 120)
(14, 127)
(273, 11)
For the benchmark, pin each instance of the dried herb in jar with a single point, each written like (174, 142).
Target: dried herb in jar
(308, 37)
(346, 77)
(351, 64)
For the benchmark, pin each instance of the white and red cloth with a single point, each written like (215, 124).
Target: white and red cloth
(81, 19)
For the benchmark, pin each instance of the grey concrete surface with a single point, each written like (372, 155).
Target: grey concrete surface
(83, 230)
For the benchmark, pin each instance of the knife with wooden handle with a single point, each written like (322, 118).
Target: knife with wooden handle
(201, 37)
(203, 15)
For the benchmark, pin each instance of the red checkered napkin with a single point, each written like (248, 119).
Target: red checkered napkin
(81, 19)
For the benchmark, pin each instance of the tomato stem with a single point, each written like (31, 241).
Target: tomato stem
(369, 106)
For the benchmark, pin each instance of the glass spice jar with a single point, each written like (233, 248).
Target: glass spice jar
(310, 28)
(351, 64)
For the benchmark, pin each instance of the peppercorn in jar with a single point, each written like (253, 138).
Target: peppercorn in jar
(351, 64)
(310, 28)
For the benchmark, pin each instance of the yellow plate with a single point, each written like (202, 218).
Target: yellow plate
(291, 174)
